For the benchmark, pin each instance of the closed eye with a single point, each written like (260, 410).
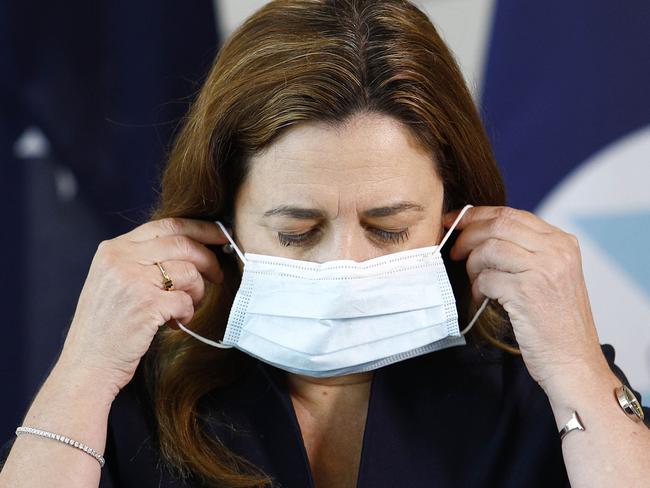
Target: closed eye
(306, 238)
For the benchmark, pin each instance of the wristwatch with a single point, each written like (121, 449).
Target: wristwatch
(629, 403)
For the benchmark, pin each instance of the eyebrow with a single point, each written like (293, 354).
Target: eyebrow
(314, 213)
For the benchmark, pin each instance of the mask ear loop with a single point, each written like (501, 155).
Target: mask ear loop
(198, 337)
(204, 340)
(232, 242)
(442, 243)
(476, 316)
(453, 226)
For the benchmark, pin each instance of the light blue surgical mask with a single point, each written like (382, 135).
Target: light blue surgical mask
(342, 317)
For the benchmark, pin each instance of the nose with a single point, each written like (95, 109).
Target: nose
(349, 242)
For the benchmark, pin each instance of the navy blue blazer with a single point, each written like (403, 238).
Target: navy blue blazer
(466, 416)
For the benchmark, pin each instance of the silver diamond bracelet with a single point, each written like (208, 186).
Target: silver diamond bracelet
(65, 440)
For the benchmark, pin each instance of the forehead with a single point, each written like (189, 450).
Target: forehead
(369, 157)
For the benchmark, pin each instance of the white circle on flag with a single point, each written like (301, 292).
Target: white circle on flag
(605, 202)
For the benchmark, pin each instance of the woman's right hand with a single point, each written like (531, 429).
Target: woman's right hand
(123, 302)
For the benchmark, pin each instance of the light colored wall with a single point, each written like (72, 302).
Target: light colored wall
(464, 24)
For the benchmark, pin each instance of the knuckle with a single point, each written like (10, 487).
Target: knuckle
(200, 293)
(190, 272)
(472, 261)
(107, 253)
(500, 224)
(186, 300)
(527, 214)
(495, 226)
(105, 248)
(104, 245)
(157, 317)
(476, 292)
(187, 304)
(183, 245)
(479, 282)
(173, 225)
(491, 247)
(506, 213)
(572, 239)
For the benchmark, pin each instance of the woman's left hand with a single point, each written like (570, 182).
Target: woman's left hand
(534, 270)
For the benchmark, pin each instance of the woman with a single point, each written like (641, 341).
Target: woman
(326, 131)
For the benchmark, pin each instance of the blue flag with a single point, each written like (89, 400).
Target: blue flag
(563, 80)
(566, 101)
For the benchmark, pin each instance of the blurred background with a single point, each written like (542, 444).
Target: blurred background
(92, 92)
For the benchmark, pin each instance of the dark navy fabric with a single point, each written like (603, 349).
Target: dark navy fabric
(465, 416)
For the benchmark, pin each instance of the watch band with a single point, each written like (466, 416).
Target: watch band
(574, 423)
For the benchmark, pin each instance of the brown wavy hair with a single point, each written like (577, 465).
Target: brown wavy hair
(295, 61)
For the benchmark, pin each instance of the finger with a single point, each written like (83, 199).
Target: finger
(200, 230)
(494, 284)
(507, 213)
(504, 229)
(500, 255)
(175, 304)
(179, 248)
(184, 275)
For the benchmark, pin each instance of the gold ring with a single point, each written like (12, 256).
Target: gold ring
(168, 284)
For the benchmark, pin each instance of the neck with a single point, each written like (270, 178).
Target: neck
(306, 388)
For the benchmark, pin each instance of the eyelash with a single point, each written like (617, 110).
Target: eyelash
(303, 239)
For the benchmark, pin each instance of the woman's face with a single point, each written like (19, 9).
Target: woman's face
(357, 191)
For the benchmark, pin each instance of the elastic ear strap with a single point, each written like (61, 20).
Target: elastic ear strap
(475, 318)
(232, 242)
(201, 338)
(442, 243)
(453, 226)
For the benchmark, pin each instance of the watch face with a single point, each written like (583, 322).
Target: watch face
(632, 403)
